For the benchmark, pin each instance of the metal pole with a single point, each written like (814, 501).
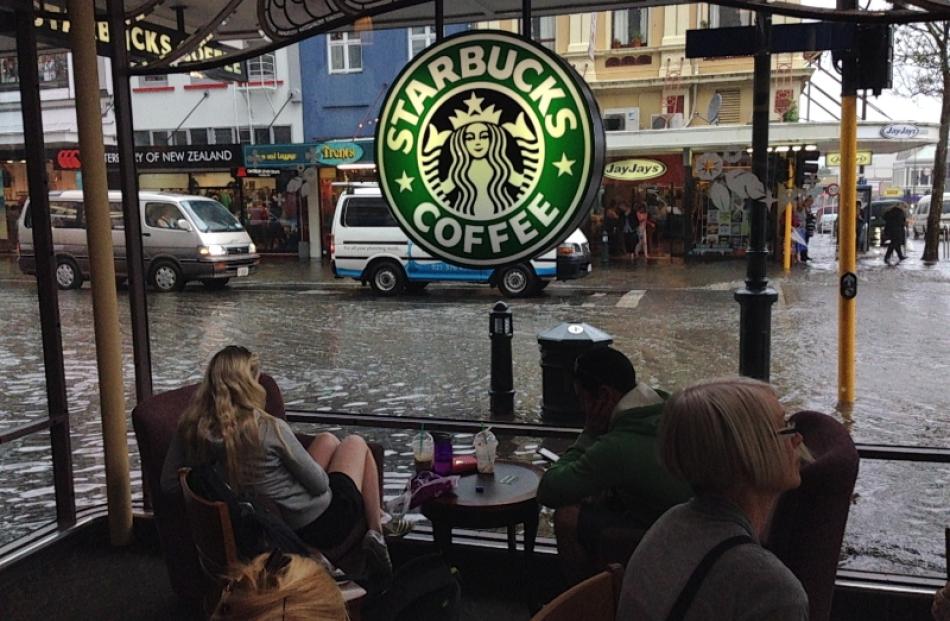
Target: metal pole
(756, 299)
(45, 269)
(687, 207)
(526, 19)
(129, 184)
(439, 20)
(847, 221)
(787, 249)
(102, 269)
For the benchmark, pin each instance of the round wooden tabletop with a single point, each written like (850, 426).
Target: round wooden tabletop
(511, 485)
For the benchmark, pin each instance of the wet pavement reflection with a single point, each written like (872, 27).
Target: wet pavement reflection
(332, 346)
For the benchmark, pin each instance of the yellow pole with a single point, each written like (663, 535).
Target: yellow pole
(790, 185)
(847, 238)
(102, 269)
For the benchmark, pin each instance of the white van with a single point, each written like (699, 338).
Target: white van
(922, 212)
(367, 244)
(183, 238)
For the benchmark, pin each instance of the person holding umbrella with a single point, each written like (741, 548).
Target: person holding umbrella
(895, 231)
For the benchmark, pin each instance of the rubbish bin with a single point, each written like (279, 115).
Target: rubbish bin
(560, 346)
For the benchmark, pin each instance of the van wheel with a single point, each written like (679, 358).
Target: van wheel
(215, 284)
(165, 276)
(387, 278)
(517, 281)
(68, 275)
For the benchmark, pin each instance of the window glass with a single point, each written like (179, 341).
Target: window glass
(244, 136)
(261, 135)
(630, 28)
(364, 212)
(420, 37)
(223, 135)
(162, 215)
(346, 53)
(160, 138)
(199, 136)
(355, 57)
(179, 138)
(542, 30)
(213, 217)
(153, 80)
(724, 17)
(142, 138)
(116, 217)
(65, 214)
(282, 134)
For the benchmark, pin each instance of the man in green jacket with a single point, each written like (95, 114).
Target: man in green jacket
(611, 477)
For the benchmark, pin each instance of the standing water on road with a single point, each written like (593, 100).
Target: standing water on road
(338, 348)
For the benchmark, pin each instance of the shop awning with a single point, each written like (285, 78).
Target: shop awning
(190, 35)
(872, 136)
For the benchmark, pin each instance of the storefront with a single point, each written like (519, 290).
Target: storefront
(290, 193)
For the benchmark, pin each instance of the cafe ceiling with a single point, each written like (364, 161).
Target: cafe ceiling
(252, 27)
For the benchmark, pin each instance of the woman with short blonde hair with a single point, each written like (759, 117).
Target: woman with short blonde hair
(729, 439)
(278, 587)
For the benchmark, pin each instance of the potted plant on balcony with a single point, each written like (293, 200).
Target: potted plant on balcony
(636, 40)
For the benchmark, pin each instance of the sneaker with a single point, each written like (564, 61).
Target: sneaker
(379, 567)
(398, 527)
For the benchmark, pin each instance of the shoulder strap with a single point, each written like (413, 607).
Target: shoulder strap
(689, 591)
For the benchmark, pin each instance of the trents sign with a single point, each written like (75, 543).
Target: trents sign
(147, 42)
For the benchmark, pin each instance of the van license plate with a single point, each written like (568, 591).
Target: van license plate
(243, 271)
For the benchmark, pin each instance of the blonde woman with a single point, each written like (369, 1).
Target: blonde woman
(321, 491)
(729, 439)
(281, 587)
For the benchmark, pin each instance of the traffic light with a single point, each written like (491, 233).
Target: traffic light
(806, 168)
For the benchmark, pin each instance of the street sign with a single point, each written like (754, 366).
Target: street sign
(893, 192)
(863, 158)
(741, 40)
(490, 149)
(832, 189)
(634, 170)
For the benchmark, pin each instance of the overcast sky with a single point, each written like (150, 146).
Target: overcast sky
(920, 109)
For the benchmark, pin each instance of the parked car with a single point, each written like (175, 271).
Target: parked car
(368, 245)
(922, 213)
(183, 238)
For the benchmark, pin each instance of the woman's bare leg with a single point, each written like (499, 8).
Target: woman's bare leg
(354, 459)
(322, 448)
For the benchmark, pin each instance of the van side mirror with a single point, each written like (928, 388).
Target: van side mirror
(183, 224)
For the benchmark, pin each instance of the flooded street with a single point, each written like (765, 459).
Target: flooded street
(332, 346)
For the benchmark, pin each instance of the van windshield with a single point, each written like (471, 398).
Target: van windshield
(213, 217)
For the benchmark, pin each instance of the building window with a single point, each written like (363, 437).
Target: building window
(630, 28)
(244, 136)
(153, 80)
(420, 38)
(674, 104)
(178, 138)
(262, 135)
(345, 52)
(198, 136)
(223, 135)
(142, 138)
(160, 138)
(282, 134)
(261, 69)
(725, 17)
(729, 110)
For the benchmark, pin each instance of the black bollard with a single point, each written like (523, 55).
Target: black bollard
(502, 379)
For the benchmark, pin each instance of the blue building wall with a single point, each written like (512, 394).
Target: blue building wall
(335, 105)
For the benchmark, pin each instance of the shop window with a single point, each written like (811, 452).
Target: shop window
(261, 135)
(420, 38)
(142, 138)
(345, 52)
(153, 80)
(53, 70)
(199, 136)
(282, 134)
(630, 28)
(223, 135)
(725, 17)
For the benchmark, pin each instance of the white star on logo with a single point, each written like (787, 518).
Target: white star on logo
(474, 103)
(405, 182)
(564, 166)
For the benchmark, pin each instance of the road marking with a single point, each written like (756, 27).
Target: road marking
(631, 299)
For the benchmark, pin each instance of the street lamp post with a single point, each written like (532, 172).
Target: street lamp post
(501, 330)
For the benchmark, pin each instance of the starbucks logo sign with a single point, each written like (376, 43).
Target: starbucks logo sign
(489, 148)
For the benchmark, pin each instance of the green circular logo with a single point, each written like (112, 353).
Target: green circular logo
(489, 148)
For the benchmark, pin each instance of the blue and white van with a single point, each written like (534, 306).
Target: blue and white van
(366, 244)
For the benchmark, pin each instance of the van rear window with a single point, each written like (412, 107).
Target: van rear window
(365, 212)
